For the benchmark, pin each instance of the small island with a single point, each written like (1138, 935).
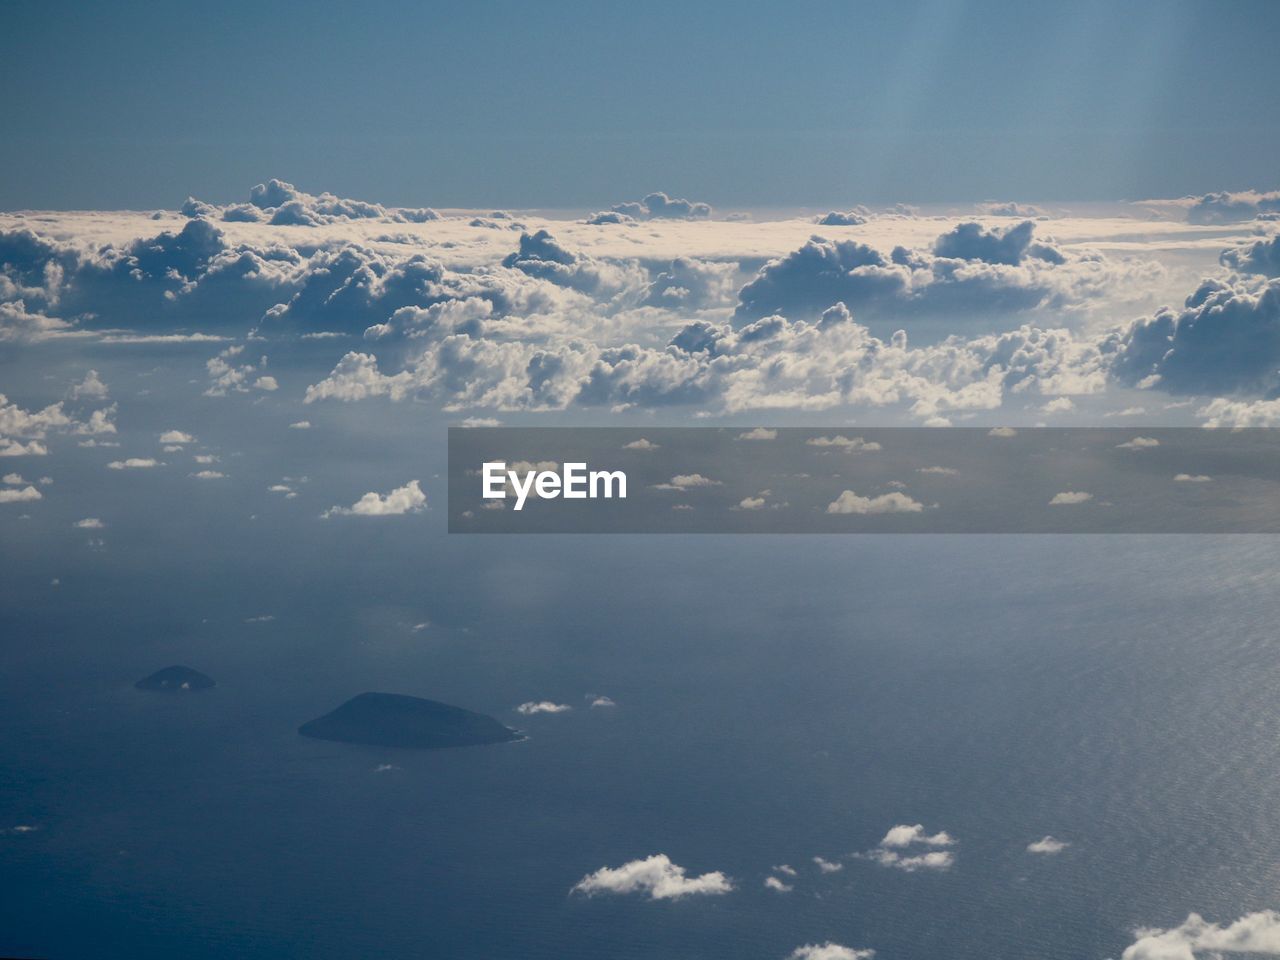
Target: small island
(395, 720)
(176, 679)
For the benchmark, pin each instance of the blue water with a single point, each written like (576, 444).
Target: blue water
(778, 698)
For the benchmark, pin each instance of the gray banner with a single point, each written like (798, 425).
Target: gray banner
(851, 480)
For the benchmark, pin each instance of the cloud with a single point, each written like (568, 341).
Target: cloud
(401, 500)
(1253, 933)
(1225, 340)
(1138, 443)
(134, 463)
(91, 388)
(641, 444)
(20, 495)
(209, 475)
(852, 444)
(542, 706)
(1004, 432)
(850, 218)
(659, 206)
(1047, 845)
(688, 481)
(895, 502)
(828, 866)
(1229, 207)
(1069, 498)
(90, 523)
(939, 471)
(776, 885)
(602, 702)
(300, 425)
(751, 503)
(1193, 478)
(829, 951)
(656, 876)
(1261, 256)
(176, 437)
(759, 433)
(903, 837)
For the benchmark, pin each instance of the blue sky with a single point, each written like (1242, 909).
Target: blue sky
(577, 105)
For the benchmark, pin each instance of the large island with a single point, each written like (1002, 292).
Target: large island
(395, 720)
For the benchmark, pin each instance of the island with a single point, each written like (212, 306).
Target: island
(396, 720)
(175, 679)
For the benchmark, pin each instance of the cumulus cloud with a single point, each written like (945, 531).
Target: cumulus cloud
(894, 850)
(895, 502)
(1231, 207)
(847, 218)
(777, 886)
(759, 433)
(1193, 478)
(91, 387)
(1047, 845)
(828, 866)
(655, 876)
(659, 206)
(90, 523)
(829, 951)
(641, 444)
(1068, 498)
(20, 495)
(401, 500)
(176, 438)
(1003, 432)
(1261, 256)
(1253, 933)
(852, 444)
(1138, 443)
(542, 706)
(1225, 340)
(134, 463)
(687, 481)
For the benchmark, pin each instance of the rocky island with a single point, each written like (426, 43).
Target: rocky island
(176, 679)
(395, 720)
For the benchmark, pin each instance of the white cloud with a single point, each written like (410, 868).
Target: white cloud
(890, 851)
(776, 885)
(91, 387)
(1003, 432)
(844, 443)
(759, 433)
(1068, 498)
(20, 495)
(602, 702)
(940, 471)
(785, 869)
(895, 502)
(14, 479)
(176, 437)
(300, 425)
(1058, 405)
(688, 481)
(1138, 443)
(641, 444)
(828, 866)
(656, 876)
(829, 951)
(209, 475)
(543, 706)
(90, 523)
(1253, 933)
(1047, 845)
(751, 503)
(1193, 478)
(402, 500)
(134, 463)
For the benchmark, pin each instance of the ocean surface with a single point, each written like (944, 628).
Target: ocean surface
(778, 698)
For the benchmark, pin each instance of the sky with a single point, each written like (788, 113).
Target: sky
(574, 105)
(258, 260)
